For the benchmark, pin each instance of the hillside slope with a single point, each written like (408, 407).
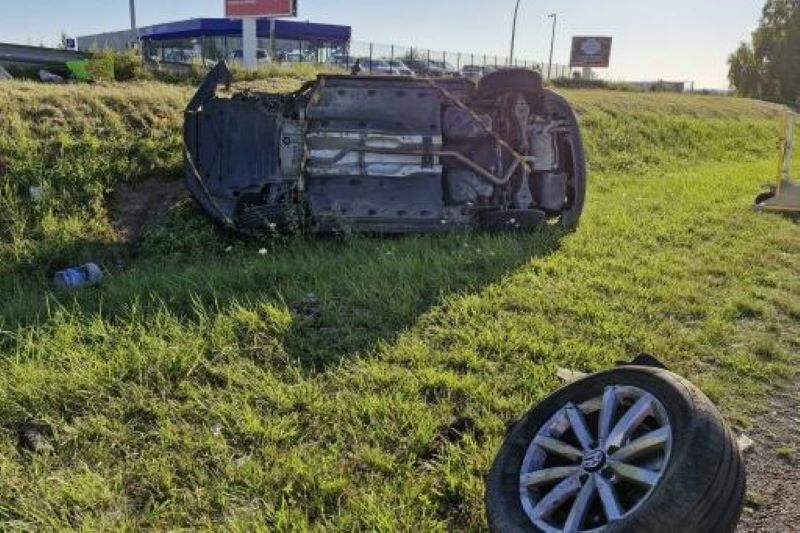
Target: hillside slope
(362, 384)
(75, 144)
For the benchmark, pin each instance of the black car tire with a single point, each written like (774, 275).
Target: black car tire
(702, 485)
(502, 82)
(557, 104)
(763, 197)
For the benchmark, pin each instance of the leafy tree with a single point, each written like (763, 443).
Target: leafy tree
(769, 67)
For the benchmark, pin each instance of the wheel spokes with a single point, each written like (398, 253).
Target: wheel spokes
(607, 413)
(608, 495)
(647, 444)
(641, 476)
(548, 475)
(559, 447)
(557, 497)
(579, 427)
(580, 507)
(630, 421)
(607, 452)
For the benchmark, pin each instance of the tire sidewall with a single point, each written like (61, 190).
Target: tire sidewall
(675, 394)
(553, 100)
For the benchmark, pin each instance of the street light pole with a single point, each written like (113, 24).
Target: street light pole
(135, 28)
(554, 16)
(513, 34)
(133, 16)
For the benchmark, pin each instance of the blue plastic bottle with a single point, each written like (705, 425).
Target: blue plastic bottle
(73, 278)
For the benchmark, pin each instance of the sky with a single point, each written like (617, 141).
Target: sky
(676, 40)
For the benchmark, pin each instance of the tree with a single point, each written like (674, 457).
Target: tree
(769, 67)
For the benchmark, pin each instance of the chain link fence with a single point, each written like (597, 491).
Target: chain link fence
(365, 57)
(393, 60)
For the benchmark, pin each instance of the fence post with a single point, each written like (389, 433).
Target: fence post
(370, 57)
(429, 62)
(458, 62)
(391, 63)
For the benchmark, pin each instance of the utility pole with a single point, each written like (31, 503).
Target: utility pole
(135, 29)
(513, 34)
(133, 17)
(554, 16)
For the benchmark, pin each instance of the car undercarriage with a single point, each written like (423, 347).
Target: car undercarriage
(386, 155)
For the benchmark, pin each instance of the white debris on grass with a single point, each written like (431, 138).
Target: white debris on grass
(745, 443)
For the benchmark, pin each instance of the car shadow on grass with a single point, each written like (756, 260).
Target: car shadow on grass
(334, 298)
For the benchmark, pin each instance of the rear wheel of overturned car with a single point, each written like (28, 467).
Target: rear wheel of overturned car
(545, 101)
(631, 449)
(507, 81)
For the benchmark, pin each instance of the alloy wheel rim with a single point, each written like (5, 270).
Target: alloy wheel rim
(594, 464)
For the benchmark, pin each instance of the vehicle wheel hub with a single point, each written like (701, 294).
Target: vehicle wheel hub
(594, 461)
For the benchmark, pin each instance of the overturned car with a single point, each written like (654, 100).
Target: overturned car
(387, 155)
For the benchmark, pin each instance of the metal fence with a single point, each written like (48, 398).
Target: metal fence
(372, 58)
(387, 59)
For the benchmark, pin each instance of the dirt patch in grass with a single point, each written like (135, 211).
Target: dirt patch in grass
(134, 207)
(773, 488)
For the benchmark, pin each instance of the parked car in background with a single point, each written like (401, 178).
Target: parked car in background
(292, 57)
(424, 68)
(377, 67)
(262, 56)
(444, 68)
(418, 66)
(343, 61)
(298, 56)
(472, 71)
(431, 68)
(183, 56)
(399, 68)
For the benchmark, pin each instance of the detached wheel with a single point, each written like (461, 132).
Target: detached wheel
(632, 449)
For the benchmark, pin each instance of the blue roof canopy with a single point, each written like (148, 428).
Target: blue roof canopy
(284, 29)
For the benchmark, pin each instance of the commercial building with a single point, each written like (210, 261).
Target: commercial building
(210, 40)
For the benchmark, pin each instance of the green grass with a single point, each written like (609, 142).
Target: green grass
(201, 386)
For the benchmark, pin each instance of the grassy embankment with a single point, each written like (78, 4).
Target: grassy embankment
(199, 386)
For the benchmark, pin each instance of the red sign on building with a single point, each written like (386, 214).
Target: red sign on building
(260, 8)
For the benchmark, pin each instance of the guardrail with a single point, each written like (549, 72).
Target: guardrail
(17, 54)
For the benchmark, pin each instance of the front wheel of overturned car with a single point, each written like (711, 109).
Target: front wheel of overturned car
(632, 449)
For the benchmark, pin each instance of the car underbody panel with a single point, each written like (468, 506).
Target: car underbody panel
(386, 155)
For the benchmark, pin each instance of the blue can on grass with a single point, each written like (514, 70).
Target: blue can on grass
(73, 278)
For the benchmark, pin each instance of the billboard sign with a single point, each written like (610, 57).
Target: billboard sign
(591, 52)
(260, 8)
